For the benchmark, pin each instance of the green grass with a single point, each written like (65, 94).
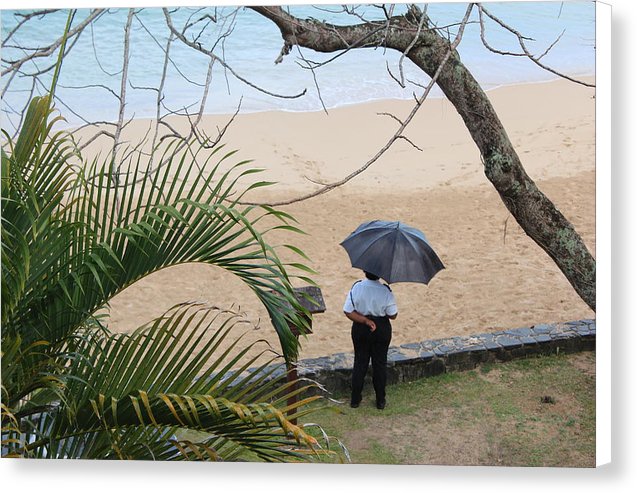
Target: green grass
(493, 415)
(378, 453)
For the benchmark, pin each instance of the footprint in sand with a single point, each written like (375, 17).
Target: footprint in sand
(310, 165)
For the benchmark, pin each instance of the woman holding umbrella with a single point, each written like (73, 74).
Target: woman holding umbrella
(394, 252)
(370, 305)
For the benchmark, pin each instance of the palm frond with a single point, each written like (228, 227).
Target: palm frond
(124, 396)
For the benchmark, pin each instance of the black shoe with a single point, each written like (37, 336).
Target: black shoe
(354, 404)
(380, 405)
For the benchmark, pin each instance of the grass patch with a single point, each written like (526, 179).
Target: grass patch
(531, 412)
(377, 453)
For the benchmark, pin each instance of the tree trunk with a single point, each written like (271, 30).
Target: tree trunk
(533, 211)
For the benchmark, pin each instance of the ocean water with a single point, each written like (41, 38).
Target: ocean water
(253, 45)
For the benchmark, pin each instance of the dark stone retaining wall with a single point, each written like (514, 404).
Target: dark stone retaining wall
(427, 358)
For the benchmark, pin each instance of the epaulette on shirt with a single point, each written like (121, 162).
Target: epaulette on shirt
(387, 286)
(350, 293)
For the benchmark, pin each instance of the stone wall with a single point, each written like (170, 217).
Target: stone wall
(427, 358)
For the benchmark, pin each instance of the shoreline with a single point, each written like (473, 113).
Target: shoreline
(586, 77)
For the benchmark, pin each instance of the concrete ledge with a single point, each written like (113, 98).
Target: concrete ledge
(428, 358)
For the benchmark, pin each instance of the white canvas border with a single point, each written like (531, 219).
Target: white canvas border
(103, 476)
(603, 173)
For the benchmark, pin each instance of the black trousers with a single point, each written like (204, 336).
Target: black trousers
(370, 345)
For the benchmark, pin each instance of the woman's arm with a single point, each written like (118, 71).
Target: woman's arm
(361, 319)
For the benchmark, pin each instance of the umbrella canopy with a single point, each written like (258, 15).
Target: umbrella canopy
(393, 251)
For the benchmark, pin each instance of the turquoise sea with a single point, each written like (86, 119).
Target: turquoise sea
(253, 45)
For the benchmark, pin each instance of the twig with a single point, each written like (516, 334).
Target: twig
(25, 18)
(421, 23)
(400, 122)
(91, 86)
(316, 84)
(161, 47)
(97, 58)
(408, 140)
(221, 132)
(525, 50)
(204, 98)
(159, 100)
(122, 91)
(48, 50)
(41, 71)
(209, 53)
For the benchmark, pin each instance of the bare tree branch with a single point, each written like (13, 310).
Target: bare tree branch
(92, 86)
(48, 50)
(316, 84)
(175, 66)
(122, 92)
(26, 18)
(421, 23)
(97, 58)
(209, 53)
(394, 117)
(160, 96)
(525, 51)
(51, 66)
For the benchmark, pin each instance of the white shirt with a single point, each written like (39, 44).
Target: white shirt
(372, 298)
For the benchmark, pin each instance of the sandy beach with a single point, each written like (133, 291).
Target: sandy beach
(495, 277)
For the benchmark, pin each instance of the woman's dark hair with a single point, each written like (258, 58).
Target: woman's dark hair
(370, 276)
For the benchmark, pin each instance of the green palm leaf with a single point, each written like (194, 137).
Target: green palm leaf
(117, 393)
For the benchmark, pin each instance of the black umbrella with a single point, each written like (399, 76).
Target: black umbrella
(393, 251)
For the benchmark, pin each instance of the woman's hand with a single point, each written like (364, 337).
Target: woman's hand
(361, 319)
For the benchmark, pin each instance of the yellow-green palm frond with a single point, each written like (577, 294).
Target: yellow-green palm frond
(134, 395)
